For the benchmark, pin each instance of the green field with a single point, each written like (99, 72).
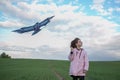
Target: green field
(36, 69)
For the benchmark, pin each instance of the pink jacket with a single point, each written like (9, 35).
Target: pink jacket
(79, 62)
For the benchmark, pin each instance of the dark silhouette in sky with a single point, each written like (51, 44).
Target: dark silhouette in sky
(36, 27)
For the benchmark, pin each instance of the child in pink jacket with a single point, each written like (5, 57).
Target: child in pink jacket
(79, 61)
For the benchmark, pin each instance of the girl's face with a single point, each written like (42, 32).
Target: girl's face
(79, 43)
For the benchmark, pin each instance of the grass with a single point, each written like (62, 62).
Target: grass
(36, 69)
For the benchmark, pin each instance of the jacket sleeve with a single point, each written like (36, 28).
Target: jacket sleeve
(86, 61)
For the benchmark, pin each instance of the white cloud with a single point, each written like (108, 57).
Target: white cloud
(103, 10)
(118, 9)
(107, 51)
(117, 1)
(93, 30)
(17, 12)
(11, 23)
(26, 13)
(99, 7)
(65, 26)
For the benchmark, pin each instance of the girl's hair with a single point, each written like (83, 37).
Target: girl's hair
(73, 43)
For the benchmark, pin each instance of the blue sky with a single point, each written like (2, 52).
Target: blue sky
(96, 23)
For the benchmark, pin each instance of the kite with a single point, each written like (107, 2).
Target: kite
(36, 27)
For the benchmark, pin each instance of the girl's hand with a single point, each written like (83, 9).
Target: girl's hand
(71, 48)
(84, 71)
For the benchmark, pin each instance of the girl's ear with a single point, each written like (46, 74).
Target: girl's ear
(76, 44)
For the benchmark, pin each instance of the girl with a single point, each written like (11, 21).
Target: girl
(79, 61)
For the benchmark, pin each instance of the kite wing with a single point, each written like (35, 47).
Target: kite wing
(36, 31)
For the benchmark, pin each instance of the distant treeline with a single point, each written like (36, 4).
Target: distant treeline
(4, 55)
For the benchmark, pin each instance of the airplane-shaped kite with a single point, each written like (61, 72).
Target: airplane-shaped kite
(36, 27)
